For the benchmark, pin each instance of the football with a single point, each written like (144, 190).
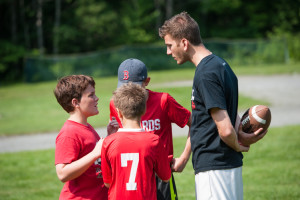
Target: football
(258, 116)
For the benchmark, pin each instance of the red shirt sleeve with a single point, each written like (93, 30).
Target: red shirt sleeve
(105, 164)
(66, 151)
(162, 165)
(176, 112)
(114, 113)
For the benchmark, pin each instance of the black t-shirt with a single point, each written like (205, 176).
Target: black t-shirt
(215, 86)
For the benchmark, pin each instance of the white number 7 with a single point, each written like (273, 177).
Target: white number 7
(131, 185)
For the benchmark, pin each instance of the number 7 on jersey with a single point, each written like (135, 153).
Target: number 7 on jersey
(125, 157)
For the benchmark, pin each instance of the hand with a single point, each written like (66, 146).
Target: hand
(97, 150)
(247, 139)
(112, 126)
(178, 165)
(243, 148)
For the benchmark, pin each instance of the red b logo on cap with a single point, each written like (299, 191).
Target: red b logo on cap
(126, 75)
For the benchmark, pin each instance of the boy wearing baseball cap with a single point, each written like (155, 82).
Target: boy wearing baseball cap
(132, 156)
(162, 110)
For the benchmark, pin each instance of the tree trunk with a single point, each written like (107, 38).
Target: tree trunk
(169, 8)
(56, 27)
(13, 21)
(24, 24)
(157, 4)
(39, 26)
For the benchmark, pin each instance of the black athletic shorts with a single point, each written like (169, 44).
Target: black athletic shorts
(166, 191)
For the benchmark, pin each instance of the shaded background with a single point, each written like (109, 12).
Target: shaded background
(46, 39)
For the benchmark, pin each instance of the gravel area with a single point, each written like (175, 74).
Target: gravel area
(282, 91)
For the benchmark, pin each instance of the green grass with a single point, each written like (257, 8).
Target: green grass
(270, 172)
(29, 175)
(32, 108)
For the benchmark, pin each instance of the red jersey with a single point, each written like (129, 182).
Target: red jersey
(74, 141)
(130, 159)
(162, 110)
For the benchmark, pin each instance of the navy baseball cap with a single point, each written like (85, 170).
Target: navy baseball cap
(132, 70)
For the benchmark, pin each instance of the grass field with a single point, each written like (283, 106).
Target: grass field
(270, 172)
(270, 169)
(32, 108)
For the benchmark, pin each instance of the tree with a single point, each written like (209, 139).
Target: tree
(39, 26)
(56, 27)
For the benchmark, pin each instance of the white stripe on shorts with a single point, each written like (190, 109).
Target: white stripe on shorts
(219, 184)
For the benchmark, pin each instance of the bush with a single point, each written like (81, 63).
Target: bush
(106, 62)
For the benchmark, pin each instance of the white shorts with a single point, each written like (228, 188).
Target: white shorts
(219, 184)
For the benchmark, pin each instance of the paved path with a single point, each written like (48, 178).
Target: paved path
(282, 91)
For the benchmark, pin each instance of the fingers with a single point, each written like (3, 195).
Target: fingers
(258, 131)
(177, 165)
(113, 123)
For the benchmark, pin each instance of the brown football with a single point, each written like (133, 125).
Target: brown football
(258, 116)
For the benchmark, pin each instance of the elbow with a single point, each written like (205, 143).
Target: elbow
(61, 175)
(62, 178)
(226, 133)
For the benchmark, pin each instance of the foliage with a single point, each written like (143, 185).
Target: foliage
(10, 55)
(105, 62)
(294, 46)
(138, 17)
(80, 26)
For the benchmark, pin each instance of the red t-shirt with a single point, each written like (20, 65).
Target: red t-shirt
(162, 110)
(130, 159)
(74, 141)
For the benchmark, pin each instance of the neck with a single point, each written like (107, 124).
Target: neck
(131, 124)
(78, 118)
(198, 53)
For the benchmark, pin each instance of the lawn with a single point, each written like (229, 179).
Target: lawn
(270, 171)
(32, 108)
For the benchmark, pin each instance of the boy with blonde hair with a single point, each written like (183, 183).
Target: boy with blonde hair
(132, 156)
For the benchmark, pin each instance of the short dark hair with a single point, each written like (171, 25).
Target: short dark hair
(131, 99)
(70, 87)
(181, 26)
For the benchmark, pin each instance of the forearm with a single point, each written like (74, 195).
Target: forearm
(180, 163)
(67, 172)
(229, 137)
(225, 129)
(188, 148)
(185, 155)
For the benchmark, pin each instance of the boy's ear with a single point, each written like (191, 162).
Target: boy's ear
(146, 81)
(120, 114)
(75, 102)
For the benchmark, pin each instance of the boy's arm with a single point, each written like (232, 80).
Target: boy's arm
(67, 172)
(178, 164)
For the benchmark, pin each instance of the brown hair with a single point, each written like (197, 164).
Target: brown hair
(70, 87)
(131, 99)
(181, 26)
